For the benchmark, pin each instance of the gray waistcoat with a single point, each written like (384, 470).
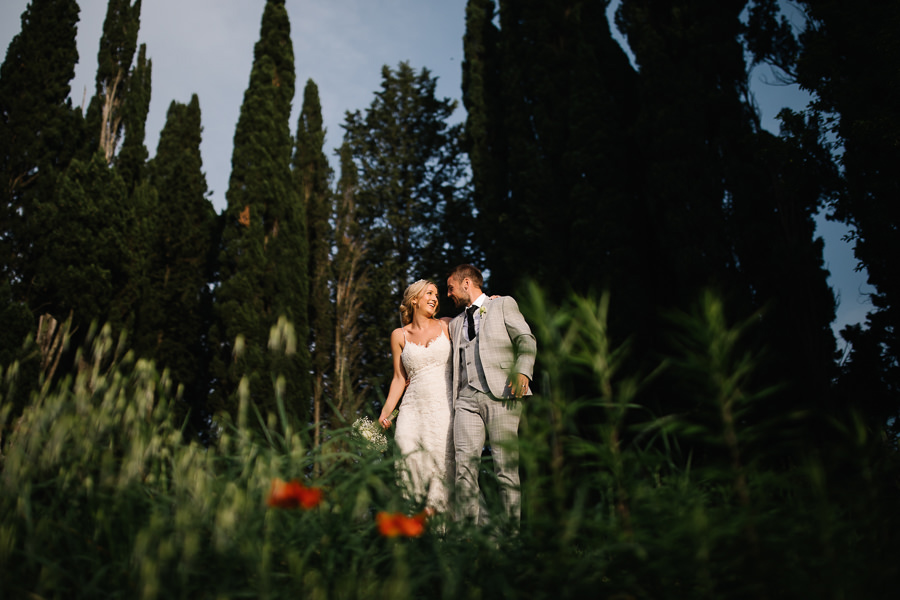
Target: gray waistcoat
(471, 373)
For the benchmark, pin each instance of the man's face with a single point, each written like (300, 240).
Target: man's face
(458, 291)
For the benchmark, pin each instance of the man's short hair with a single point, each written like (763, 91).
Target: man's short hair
(463, 271)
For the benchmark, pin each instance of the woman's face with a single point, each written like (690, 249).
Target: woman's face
(427, 301)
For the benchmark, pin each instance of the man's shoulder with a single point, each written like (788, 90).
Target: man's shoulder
(503, 301)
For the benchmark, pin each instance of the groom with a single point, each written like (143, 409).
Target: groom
(493, 363)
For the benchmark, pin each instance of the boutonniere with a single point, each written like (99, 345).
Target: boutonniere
(481, 311)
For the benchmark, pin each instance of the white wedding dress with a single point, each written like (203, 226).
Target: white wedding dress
(424, 426)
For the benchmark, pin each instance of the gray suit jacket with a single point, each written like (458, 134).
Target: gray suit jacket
(504, 345)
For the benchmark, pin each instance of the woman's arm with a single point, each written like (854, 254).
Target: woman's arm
(398, 382)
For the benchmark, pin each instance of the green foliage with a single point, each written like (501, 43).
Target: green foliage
(101, 496)
(691, 119)
(312, 178)
(174, 313)
(15, 326)
(349, 384)
(550, 100)
(653, 181)
(87, 247)
(847, 135)
(109, 109)
(263, 262)
(842, 51)
(694, 458)
(415, 217)
(132, 158)
(37, 124)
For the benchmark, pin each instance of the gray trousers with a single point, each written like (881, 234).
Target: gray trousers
(478, 415)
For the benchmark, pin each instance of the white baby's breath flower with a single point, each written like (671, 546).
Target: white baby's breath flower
(371, 433)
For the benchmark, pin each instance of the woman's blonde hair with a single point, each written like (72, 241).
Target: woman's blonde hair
(414, 290)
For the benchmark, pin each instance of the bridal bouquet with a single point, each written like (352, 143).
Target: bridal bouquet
(371, 433)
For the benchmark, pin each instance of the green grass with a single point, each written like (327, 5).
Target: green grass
(100, 497)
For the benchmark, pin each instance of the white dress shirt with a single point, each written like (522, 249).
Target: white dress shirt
(476, 316)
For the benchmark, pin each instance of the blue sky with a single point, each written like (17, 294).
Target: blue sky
(206, 47)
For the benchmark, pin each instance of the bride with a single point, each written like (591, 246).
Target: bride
(421, 354)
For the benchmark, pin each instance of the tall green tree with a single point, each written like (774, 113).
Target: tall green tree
(264, 256)
(411, 188)
(349, 388)
(777, 186)
(312, 177)
(174, 312)
(692, 84)
(38, 126)
(852, 122)
(551, 102)
(132, 158)
(654, 182)
(85, 263)
(844, 60)
(131, 165)
(88, 237)
(730, 207)
(106, 112)
(39, 131)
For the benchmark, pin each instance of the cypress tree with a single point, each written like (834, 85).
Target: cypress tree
(312, 180)
(39, 129)
(349, 387)
(692, 75)
(106, 113)
(174, 312)
(485, 139)
(89, 241)
(550, 102)
(776, 188)
(85, 263)
(263, 261)
(131, 165)
(132, 158)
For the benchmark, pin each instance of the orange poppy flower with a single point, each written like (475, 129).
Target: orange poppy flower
(398, 524)
(291, 494)
(309, 497)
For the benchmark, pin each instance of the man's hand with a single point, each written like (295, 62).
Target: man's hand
(518, 387)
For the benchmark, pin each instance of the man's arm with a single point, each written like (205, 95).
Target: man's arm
(523, 341)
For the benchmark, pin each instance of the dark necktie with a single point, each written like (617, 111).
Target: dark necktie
(471, 320)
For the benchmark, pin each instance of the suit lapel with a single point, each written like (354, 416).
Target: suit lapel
(486, 307)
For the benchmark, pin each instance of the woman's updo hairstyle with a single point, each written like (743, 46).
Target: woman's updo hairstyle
(409, 296)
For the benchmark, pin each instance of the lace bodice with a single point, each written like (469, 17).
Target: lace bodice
(424, 361)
